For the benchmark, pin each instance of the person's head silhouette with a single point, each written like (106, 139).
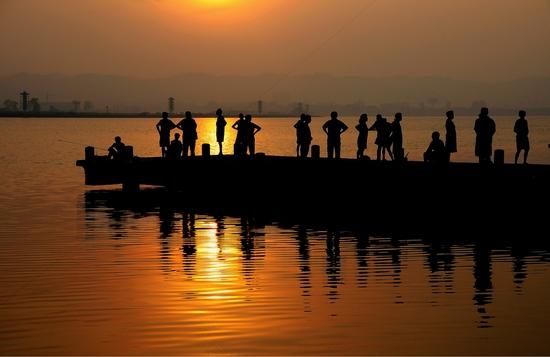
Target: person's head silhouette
(364, 118)
(334, 115)
(188, 115)
(241, 116)
(379, 117)
(308, 119)
(303, 117)
(484, 112)
(248, 118)
(436, 135)
(219, 112)
(398, 117)
(118, 139)
(177, 136)
(165, 115)
(450, 114)
(522, 114)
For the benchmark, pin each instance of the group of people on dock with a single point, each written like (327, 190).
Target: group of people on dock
(389, 137)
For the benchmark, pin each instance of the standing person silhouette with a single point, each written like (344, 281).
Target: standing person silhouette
(383, 140)
(240, 126)
(188, 126)
(164, 126)
(307, 138)
(450, 135)
(485, 129)
(521, 128)
(221, 123)
(397, 137)
(362, 138)
(303, 136)
(299, 132)
(251, 129)
(334, 129)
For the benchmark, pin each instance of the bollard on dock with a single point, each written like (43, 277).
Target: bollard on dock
(89, 153)
(499, 157)
(316, 152)
(129, 154)
(206, 150)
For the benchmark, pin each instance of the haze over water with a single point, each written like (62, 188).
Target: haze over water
(86, 272)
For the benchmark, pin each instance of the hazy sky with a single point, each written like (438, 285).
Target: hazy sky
(464, 39)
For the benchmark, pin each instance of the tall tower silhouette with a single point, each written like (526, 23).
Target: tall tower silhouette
(171, 105)
(24, 101)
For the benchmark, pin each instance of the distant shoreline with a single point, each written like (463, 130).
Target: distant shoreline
(496, 112)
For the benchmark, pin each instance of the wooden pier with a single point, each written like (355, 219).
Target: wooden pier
(317, 186)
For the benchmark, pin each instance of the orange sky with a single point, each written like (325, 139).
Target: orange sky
(490, 39)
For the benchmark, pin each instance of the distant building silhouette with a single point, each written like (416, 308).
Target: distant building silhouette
(171, 105)
(24, 100)
(35, 105)
(260, 107)
(76, 106)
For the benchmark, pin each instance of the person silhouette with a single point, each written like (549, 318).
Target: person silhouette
(188, 126)
(334, 129)
(485, 129)
(164, 126)
(221, 123)
(298, 126)
(251, 129)
(240, 126)
(362, 138)
(307, 138)
(396, 138)
(383, 140)
(521, 128)
(436, 153)
(450, 133)
(176, 148)
(117, 150)
(303, 136)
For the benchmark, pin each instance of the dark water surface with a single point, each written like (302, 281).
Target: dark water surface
(86, 272)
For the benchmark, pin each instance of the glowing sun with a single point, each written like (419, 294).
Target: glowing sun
(217, 3)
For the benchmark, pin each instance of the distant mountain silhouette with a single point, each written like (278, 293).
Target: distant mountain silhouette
(350, 95)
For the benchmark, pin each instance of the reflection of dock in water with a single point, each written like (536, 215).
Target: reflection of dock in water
(327, 256)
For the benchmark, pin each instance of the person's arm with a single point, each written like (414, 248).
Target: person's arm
(325, 126)
(235, 126)
(257, 128)
(297, 125)
(358, 127)
(344, 128)
(180, 125)
(158, 127)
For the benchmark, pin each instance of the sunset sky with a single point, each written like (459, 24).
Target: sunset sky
(463, 39)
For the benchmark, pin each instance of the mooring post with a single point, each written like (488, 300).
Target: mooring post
(206, 150)
(129, 152)
(316, 152)
(499, 157)
(89, 153)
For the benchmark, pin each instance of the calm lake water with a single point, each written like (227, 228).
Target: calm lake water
(84, 273)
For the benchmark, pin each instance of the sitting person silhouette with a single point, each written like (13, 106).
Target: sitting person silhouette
(175, 150)
(117, 151)
(437, 152)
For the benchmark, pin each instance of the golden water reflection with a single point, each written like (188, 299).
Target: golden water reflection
(249, 285)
